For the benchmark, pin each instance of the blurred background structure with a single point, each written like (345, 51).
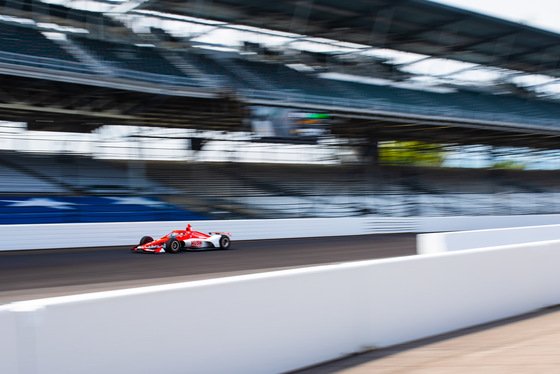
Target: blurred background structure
(145, 110)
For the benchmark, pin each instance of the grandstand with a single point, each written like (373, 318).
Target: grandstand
(259, 80)
(36, 188)
(94, 69)
(176, 190)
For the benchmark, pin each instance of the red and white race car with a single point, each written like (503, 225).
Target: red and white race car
(184, 239)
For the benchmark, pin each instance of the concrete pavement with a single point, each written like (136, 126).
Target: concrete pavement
(525, 344)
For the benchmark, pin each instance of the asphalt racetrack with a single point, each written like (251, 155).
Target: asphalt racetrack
(38, 273)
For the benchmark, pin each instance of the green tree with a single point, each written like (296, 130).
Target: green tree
(509, 164)
(412, 153)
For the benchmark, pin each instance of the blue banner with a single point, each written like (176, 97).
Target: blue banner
(62, 209)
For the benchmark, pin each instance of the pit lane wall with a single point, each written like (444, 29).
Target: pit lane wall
(456, 241)
(73, 235)
(277, 321)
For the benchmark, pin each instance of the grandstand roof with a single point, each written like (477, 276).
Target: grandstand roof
(416, 26)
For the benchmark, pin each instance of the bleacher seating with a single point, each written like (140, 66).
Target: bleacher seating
(48, 189)
(285, 78)
(27, 41)
(15, 180)
(82, 174)
(267, 191)
(129, 56)
(37, 188)
(28, 47)
(279, 81)
(248, 74)
(24, 45)
(496, 107)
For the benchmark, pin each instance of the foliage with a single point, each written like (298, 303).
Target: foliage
(411, 153)
(509, 164)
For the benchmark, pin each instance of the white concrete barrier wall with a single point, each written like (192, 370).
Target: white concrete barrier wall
(278, 321)
(9, 342)
(456, 241)
(462, 223)
(18, 237)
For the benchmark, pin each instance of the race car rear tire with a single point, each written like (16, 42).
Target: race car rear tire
(172, 245)
(146, 240)
(225, 242)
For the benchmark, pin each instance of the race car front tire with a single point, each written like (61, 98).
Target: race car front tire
(172, 245)
(146, 240)
(225, 242)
